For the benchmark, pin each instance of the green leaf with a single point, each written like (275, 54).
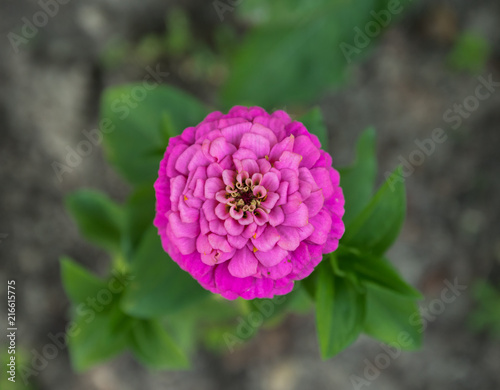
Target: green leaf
(358, 180)
(134, 138)
(378, 225)
(79, 283)
(139, 215)
(340, 312)
(376, 270)
(470, 53)
(153, 347)
(160, 287)
(99, 219)
(393, 319)
(314, 122)
(293, 56)
(97, 336)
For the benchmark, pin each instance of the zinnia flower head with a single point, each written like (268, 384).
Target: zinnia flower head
(248, 203)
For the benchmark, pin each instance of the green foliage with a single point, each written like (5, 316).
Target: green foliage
(470, 53)
(392, 318)
(160, 287)
(356, 289)
(293, 54)
(314, 123)
(155, 348)
(79, 283)
(137, 141)
(99, 219)
(358, 180)
(486, 316)
(340, 311)
(290, 56)
(375, 228)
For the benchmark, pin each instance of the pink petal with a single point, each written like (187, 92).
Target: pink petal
(257, 128)
(213, 185)
(283, 193)
(243, 263)
(243, 154)
(323, 180)
(293, 203)
(276, 216)
(260, 216)
(237, 242)
(177, 185)
(290, 176)
(233, 227)
(182, 162)
(181, 229)
(315, 202)
(202, 245)
(256, 143)
(173, 156)
(219, 242)
(221, 211)
(272, 198)
(188, 214)
(270, 181)
(220, 148)
(227, 282)
(229, 177)
(217, 227)
(285, 145)
(233, 134)
(290, 238)
(264, 165)
(267, 240)
(247, 218)
(307, 150)
(272, 257)
(298, 218)
(279, 270)
(322, 223)
(249, 230)
(288, 160)
(209, 209)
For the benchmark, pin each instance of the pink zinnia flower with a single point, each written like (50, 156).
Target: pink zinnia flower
(247, 202)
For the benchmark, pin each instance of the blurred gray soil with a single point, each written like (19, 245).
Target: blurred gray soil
(49, 93)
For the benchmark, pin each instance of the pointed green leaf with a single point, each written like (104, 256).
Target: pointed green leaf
(340, 312)
(378, 225)
(134, 138)
(376, 270)
(79, 283)
(94, 336)
(358, 180)
(160, 287)
(153, 347)
(99, 219)
(139, 215)
(393, 319)
(315, 124)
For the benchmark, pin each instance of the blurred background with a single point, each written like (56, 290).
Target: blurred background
(436, 64)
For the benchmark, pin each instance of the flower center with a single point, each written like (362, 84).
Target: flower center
(246, 194)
